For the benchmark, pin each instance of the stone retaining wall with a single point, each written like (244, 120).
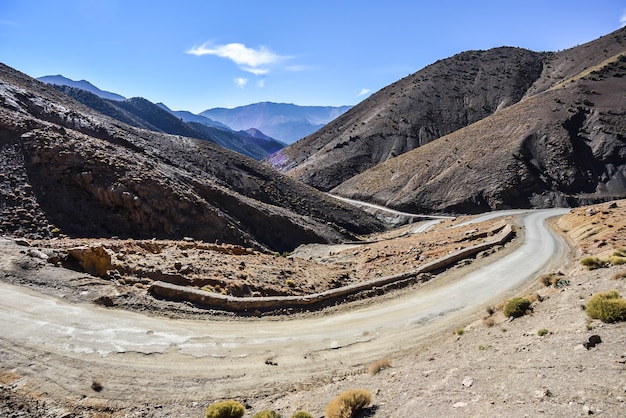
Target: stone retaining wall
(203, 298)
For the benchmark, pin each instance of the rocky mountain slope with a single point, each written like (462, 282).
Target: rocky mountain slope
(283, 121)
(142, 113)
(66, 169)
(485, 130)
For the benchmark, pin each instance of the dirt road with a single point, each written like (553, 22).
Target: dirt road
(68, 346)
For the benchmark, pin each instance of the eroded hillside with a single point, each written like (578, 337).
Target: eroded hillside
(68, 170)
(479, 131)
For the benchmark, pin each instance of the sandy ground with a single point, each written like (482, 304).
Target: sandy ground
(493, 368)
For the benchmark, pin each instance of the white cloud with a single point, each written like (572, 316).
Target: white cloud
(363, 92)
(241, 82)
(260, 84)
(256, 61)
(622, 20)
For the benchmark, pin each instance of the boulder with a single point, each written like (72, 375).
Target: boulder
(94, 259)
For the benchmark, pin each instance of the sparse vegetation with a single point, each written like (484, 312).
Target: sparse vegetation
(484, 347)
(225, 409)
(459, 331)
(379, 365)
(516, 307)
(607, 306)
(267, 414)
(290, 283)
(593, 263)
(302, 414)
(348, 403)
(542, 332)
(619, 275)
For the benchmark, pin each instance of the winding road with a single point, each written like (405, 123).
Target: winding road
(136, 355)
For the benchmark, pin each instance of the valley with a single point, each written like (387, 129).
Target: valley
(149, 268)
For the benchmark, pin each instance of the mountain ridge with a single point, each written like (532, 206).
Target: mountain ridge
(389, 150)
(142, 113)
(286, 122)
(68, 169)
(81, 84)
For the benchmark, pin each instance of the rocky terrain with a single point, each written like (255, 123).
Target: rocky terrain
(67, 170)
(481, 130)
(144, 114)
(485, 364)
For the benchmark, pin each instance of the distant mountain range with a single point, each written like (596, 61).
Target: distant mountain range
(285, 122)
(144, 114)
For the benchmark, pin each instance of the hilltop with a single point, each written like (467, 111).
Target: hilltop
(481, 130)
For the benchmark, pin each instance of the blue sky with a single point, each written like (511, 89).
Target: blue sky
(195, 55)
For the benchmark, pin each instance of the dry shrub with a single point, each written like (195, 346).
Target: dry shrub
(302, 414)
(379, 365)
(533, 297)
(489, 322)
(225, 409)
(619, 275)
(516, 307)
(550, 279)
(607, 306)
(593, 263)
(348, 403)
(617, 260)
(500, 306)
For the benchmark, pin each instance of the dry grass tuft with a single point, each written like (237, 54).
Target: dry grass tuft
(619, 275)
(607, 306)
(348, 403)
(489, 322)
(379, 365)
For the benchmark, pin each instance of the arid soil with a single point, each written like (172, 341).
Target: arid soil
(239, 271)
(484, 366)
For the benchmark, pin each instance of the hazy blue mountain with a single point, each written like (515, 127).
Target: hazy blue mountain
(284, 122)
(82, 84)
(187, 116)
(144, 114)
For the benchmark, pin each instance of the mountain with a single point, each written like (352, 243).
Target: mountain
(82, 84)
(68, 169)
(481, 130)
(285, 122)
(142, 113)
(187, 116)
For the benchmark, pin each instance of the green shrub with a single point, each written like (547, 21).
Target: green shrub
(459, 331)
(348, 403)
(267, 414)
(607, 306)
(225, 409)
(620, 252)
(593, 263)
(302, 414)
(542, 332)
(617, 260)
(516, 307)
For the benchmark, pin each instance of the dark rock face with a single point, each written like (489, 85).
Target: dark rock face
(68, 170)
(551, 134)
(412, 112)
